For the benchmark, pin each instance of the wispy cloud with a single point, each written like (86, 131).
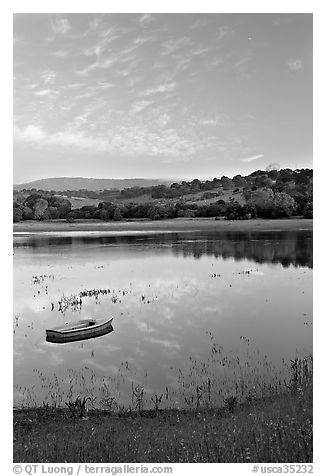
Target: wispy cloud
(252, 158)
(46, 93)
(68, 138)
(201, 51)
(60, 26)
(146, 18)
(29, 133)
(129, 139)
(48, 76)
(101, 64)
(241, 66)
(161, 88)
(172, 46)
(295, 64)
(155, 85)
(140, 106)
(199, 22)
(60, 53)
(99, 48)
(163, 120)
(95, 22)
(211, 122)
(283, 20)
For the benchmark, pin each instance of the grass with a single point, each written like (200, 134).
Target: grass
(277, 429)
(174, 225)
(272, 426)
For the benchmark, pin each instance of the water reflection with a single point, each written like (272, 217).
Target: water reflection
(287, 248)
(165, 291)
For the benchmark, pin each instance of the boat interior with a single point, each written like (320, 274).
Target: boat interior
(84, 324)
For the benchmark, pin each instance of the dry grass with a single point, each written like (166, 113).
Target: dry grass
(277, 429)
(272, 426)
(163, 226)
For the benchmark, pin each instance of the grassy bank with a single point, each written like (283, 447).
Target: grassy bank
(275, 429)
(275, 426)
(162, 226)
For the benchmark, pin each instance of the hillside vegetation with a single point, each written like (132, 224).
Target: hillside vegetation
(77, 183)
(272, 194)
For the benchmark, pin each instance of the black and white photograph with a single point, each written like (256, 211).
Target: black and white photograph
(162, 240)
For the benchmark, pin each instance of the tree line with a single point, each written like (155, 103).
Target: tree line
(272, 194)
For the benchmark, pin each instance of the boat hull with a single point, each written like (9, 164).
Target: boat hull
(62, 336)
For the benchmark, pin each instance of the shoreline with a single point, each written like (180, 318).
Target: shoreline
(243, 434)
(162, 226)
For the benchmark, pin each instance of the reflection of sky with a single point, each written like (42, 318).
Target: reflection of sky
(168, 302)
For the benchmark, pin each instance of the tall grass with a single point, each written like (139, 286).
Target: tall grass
(222, 379)
(228, 408)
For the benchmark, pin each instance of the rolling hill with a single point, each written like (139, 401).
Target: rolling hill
(77, 183)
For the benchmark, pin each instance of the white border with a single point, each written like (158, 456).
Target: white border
(60, 6)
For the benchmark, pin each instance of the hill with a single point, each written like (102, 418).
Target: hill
(262, 194)
(77, 183)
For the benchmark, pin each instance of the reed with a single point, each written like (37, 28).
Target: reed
(227, 408)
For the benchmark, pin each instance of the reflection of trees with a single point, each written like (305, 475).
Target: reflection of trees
(287, 248)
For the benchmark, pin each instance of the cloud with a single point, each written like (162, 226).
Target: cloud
(163, 120)
(60, 53)
(199, 22)
(162, 88)
(101, 64)
(61, 26)
(133, 138)
(223, 31)
(30, 133)
(211, 122)
(146, 18)
(281, 21)
(69, 138)
(171, 46)
(201, 51)
(241, 66)
(46, 93)
(95, 22)
(48, 76)
(140, 106)
(252, 158)
(295, 64)
(100, 46)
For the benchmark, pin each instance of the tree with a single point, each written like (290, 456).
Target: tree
(239, 181)
(17, 215)
(262, 200)
(283, 205)
(286, 175)
(101, 214)
(263, 181)
(273, 174)
(109, 208)
(117, 216)
(28, 213)
(270, 205)
(227, 183)
(51, 213)
(308, 210)
(38, 204)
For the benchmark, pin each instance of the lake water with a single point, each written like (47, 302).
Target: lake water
(176, 298)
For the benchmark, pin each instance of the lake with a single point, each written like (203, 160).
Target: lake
(189, 308)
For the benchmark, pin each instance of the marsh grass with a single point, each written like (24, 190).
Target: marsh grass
(228, 408)
(277, 429)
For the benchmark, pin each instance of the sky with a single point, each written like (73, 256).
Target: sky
(176, 96)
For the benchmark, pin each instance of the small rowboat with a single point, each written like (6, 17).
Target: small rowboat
(84, 329)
